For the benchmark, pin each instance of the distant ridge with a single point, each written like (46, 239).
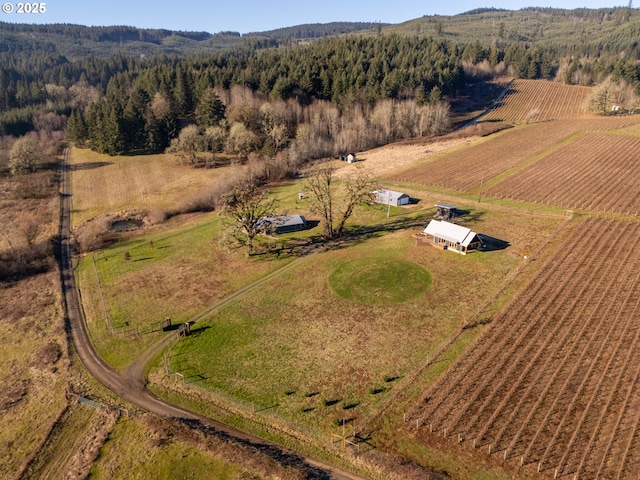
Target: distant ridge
(317, 30)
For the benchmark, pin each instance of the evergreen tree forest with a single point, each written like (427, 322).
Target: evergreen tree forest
(269, 94)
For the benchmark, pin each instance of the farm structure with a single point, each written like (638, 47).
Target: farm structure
(540, 101)
(284, 223)
(466, 169)
(446, 212)
(594, 172)
(390, 197)
(349, 158)
(450, 236)
(553, 384)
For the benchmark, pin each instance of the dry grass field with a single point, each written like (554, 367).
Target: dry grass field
(34, 364)
(103, 184)
(34, 367)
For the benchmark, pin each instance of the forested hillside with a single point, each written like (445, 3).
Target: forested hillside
(134, 100)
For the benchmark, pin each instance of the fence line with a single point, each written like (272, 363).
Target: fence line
(104, 305)
(263, 415)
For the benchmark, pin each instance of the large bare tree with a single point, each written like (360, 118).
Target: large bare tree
(336, 205)
(246, 207)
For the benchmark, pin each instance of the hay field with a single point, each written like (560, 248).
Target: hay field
(103, 184)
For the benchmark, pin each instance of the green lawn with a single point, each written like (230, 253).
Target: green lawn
(304, 353)
(175, 272)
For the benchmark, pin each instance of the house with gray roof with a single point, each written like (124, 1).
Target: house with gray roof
(284, 223)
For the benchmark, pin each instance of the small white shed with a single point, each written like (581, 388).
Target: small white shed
(390, 197)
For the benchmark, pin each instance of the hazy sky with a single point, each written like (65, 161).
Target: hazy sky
(259, 15)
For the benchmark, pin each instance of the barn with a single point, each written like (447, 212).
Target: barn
(389, 197)
(450, 236)
(284, 223)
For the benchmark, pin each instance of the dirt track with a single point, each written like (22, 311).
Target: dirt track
(131, 387)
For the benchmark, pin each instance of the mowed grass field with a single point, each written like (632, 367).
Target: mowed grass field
(176, 272)
(313, 348)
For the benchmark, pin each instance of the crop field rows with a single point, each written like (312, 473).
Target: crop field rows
(596, 172)
(465, 169)
(553, 383)
(540, 101)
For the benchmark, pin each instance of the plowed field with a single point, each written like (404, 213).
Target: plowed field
(540, 101)
(466, 168)
(553, 383)
(596, 172)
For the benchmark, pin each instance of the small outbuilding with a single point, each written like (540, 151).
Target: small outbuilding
(284, 223)
(446, 212)
(390, 197)
(349, 158)
(450, 236)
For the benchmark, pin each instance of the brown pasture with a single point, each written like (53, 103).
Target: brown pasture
(104, 184)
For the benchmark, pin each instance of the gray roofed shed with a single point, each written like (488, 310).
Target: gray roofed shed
(390, 197)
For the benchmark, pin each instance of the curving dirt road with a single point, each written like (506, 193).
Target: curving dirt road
(131, 386)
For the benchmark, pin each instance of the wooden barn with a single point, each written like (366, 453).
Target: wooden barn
(450, 236)
(389, 197)
(284, 223)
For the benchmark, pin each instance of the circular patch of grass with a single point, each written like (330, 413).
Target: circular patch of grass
(379, 281)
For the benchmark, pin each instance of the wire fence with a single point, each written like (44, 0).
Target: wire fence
(267, 416)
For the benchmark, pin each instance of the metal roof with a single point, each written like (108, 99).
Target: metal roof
(383, 196)
(450, 232)
(285, 220)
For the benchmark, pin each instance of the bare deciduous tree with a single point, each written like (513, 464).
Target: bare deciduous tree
(24, 156)
(29, 228)
(246, 207)
(336, 208)
(241, 140)
(187, 144)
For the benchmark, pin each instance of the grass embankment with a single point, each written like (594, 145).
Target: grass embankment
(134, 452)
